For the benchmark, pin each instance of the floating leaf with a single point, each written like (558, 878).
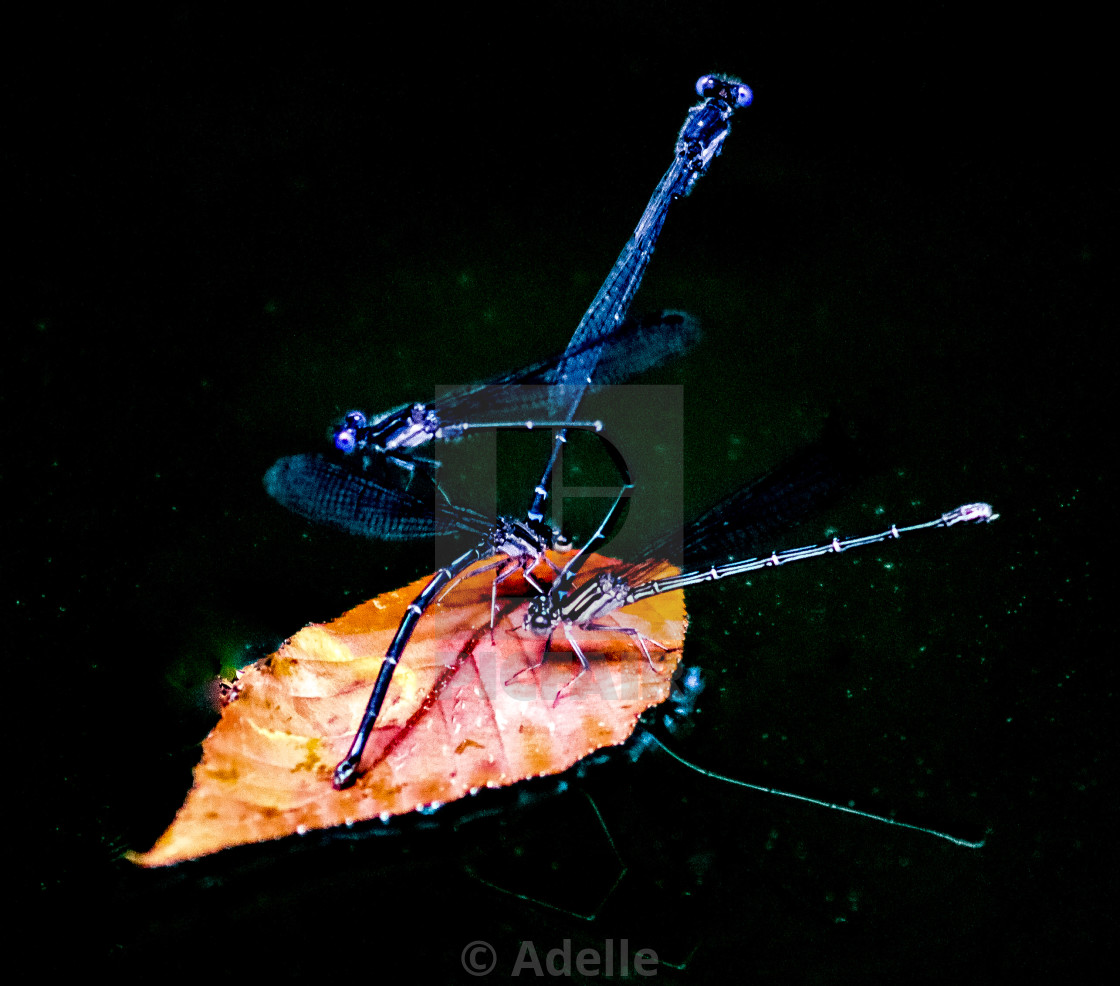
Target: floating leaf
(449, 727)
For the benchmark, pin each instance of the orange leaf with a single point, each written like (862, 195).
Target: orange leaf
(449, 727)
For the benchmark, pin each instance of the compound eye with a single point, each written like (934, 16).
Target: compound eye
(354, 419)
(346, 440)
(703, 84)
(743, 96)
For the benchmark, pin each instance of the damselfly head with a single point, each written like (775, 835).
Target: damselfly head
(538, 616)
(731, 91)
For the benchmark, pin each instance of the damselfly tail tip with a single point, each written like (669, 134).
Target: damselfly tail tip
(344, 775)
(979, 513)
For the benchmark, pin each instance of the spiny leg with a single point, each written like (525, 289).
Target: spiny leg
(525, 564)
(408, 467)
(584, 666)
(641, 639)
(469, 574)
(533, 667)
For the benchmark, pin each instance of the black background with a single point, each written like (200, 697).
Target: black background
(227, 228)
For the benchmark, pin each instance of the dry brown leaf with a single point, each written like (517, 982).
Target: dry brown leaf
(449, 727)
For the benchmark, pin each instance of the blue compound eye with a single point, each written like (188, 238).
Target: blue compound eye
(346, 437)
(703, 84)
(346, 440)
(743, 96)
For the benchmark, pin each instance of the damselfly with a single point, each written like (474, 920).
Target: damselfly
(564, 607)
(567, 607)
(380, 488)
(522, 543)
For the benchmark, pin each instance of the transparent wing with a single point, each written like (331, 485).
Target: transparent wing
(327, 492)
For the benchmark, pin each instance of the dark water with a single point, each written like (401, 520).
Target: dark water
(237, 229)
